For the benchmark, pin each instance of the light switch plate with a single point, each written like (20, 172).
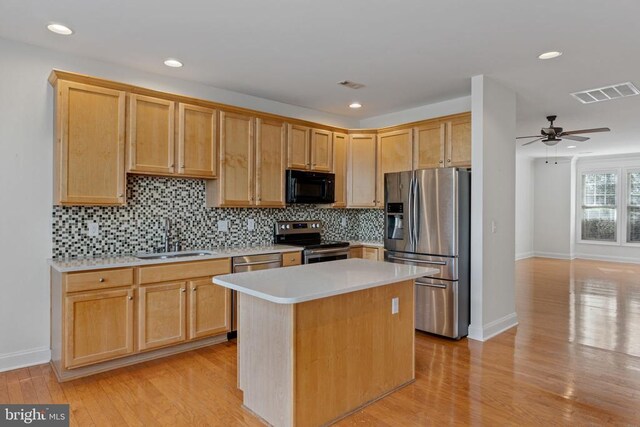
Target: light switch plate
(343, 221)
(395, 305)
(223, 226)
(93, 229)
(251, 224)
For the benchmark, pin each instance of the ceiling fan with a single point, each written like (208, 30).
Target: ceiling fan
(551, 135)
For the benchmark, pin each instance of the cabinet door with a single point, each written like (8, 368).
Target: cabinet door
(459, 142)
(197, 142)
(321, 150)
(209, 308)
(236, 150)
(370, 253)
(395, 154)
(340, 146)
(161, 315)
(151, 135)
(291, 258)
(98, 326)
(298, 147)
(90, 131)
(429, 145)
(270, 163)
(356, 252)
(362, 171)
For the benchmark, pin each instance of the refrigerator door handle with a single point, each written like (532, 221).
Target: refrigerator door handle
(419, 261)
(416, 212)
(411, 219)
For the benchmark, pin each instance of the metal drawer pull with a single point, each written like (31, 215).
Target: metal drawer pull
(418, 261)
(101, 279)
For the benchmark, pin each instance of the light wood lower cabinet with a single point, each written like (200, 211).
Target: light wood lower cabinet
(98, 326)
(367, 252)
(208, 308)
(161, 315)
(291, 258)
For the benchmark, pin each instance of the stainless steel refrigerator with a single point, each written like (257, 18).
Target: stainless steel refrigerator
(427, 223)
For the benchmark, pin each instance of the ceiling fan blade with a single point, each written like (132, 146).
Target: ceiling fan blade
(524, 137)
(531, 142)
(575, 138)
(572, 132)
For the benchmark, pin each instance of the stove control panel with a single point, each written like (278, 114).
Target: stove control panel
(298, 227)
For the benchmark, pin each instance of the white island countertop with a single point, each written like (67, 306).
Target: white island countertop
(309, 282)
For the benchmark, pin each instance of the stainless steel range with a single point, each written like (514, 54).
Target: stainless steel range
(308, 234)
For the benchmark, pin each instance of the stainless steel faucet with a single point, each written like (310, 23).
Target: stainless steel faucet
(168, 246)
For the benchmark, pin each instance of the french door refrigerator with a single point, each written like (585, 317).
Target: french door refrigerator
(427, 223)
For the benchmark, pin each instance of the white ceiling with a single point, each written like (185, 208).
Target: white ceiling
(407, 53)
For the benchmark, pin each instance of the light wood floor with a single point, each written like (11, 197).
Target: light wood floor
(574, 359)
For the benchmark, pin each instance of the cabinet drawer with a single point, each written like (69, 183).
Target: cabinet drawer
(291, 258)
(101, 279)
(183, 270)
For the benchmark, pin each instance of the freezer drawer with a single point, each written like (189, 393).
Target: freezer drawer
(448, 266)
(438, 308)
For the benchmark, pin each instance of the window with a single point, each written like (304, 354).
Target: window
(599, 206)
(633, 207)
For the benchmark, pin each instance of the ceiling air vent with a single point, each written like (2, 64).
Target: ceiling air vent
(349, 84)
(606, 93)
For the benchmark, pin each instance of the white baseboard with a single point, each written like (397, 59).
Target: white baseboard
(494, 328)
(22, 359)
(555, 255)
(525, 255)
(627, 260)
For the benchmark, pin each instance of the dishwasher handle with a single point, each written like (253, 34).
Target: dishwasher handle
(246, 264)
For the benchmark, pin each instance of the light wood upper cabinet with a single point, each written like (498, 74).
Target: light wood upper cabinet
(237, 155)
(395, 154)
(150, 133)
(209, 308)
(443, 143)
(98, 326)
(89, 145)
(362, 171)
(270, 163)
(298, 138)
(340, 148)
(321, 150)
(161, 315)
(197, 141)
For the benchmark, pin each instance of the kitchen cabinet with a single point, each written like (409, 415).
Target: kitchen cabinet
(373, 253)
(252, 171)
(98, 326)
(340, 153)
(395, 154)
(309, 149)
(161, 315)
(208, 308)
(150, 134)
(361, 166)
(270, 163)
(197, 141)
(291, 258)
(89, 145)
(443, 143)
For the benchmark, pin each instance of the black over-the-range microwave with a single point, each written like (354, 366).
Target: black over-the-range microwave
(310, 187)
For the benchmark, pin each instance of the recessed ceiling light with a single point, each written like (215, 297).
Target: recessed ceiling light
(571, 146)
(60, 29)
(549, 55)
(172, 62)
(355, 105)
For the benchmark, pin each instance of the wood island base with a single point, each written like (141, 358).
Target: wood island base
(311, 363)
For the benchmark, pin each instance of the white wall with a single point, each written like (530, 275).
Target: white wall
(26, 140)
(444, 108)
(524, 206)
(493, 110)
(552, 208)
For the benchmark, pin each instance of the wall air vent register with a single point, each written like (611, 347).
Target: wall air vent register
(607, 93)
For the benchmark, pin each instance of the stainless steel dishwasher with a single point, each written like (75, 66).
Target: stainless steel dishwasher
(250, 263)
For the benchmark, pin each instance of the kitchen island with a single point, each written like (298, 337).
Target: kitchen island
(318, 341)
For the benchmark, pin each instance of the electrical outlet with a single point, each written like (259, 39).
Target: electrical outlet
(494, 227)
(92, 229)
(223, 226)
(251, 224)
(343, 221)
(395, 305)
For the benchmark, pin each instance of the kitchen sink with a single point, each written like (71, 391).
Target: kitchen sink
(169, 255)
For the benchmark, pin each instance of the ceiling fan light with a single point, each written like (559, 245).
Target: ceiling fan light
(571, 146)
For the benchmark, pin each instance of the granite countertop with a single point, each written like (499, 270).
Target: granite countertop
(309, 282)
(98, 263)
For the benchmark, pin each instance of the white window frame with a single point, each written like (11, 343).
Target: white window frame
(625, 176)
(579, 216)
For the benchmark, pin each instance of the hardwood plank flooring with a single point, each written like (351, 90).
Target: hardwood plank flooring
(574, 359)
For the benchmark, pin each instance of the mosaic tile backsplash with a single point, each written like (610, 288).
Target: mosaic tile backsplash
(139, 226)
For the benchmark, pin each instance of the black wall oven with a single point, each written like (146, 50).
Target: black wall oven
(310, 187)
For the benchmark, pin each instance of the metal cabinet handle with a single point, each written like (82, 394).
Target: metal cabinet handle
(441, 161)
(448, 160)
(130, 298)
(193, 289)
(101, 280)
(183, 290)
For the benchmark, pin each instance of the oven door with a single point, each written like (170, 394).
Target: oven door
(324, 255)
